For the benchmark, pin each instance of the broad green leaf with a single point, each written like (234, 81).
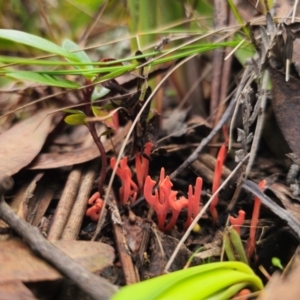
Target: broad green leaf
(244, 53)
(35, 42)
(76, 119)
(43, 79)
(81, 55)
(99, 92)
(214, 278)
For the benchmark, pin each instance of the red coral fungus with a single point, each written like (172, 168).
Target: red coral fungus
(128, 188)
(159, 201)
(97, 203)
(216, 182)
(238, 221)
(142, 165)
(250, 247)
(193, 201)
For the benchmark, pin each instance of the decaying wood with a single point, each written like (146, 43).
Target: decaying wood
(98, 288)
(129, 269)
(74, 223)
(65, 204)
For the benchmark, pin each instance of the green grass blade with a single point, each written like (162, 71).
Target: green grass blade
(35, 42)
(239, 18)
(43, 79)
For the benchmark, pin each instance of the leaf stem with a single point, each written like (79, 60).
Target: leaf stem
(87, 95)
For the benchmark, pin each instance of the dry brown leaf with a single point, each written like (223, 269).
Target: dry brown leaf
(282, 10)
(286, 107)
(19, 263)
(284, 194)
(57, 160)
(15, 290)
(249, 9)
(22, 142)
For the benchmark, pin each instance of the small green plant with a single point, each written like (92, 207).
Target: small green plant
(277, 263)
(189, 261)
(233, 246)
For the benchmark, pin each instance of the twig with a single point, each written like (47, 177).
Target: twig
(65, 204)
(259, 125)
(87, 96)
(197, 218)
(74, 223)
(294, 10)
(96, 287)
(92, 25)
(245, 81)
(129, 269)
(220, 73)
(206, 140)
(44, 16)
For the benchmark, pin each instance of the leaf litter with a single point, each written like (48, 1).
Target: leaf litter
(22, 143)
(150, 248)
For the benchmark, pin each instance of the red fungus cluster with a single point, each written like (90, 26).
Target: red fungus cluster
(96, 205)
(142, 165)
(160, 200)
(164, 200)
(239, 220)
(129, 189)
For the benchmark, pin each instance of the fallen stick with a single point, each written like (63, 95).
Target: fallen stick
(96, 287)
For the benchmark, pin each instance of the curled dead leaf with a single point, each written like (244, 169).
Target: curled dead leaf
(57, 160)
(21, 143)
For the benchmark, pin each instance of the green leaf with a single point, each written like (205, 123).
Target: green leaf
(81, 55)
(76, 119)
(213, 279)
(35, 42)
(239, 18)
(43, 79)
(99, 92)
